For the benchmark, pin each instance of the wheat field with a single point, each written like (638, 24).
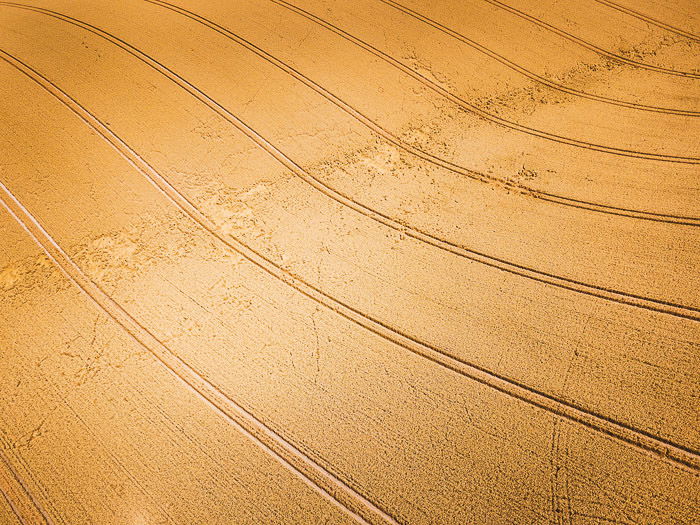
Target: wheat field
(339, 261)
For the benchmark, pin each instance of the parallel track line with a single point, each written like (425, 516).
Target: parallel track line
(25, 506)
(418, 152)
(591, 47)
(320, 480)
(607, 293)
(530, 74)
(649, 20)
(477, 111)
(681, 456)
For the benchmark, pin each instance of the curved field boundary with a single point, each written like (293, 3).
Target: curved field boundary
(471, 108)
(681, 456)
(530, 74)
(588, 45)
(290, 456)
(649, 20)
(610, 294)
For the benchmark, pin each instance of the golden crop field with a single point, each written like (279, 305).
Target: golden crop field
(349, 261)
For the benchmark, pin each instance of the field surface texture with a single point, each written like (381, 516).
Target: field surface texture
(349, 261)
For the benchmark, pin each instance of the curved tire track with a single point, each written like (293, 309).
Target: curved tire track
(471, 108)
(393, 139)
(649, 20)
(681, 456)
(12, 506)
(418, 152)
(591, 47)
(530, 74)
(657, 305)
(25, 506)
(39, 497)
(290, 456)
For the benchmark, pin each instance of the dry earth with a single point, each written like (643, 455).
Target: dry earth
(376, 261)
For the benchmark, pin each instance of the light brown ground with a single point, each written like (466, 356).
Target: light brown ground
(325, 262)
